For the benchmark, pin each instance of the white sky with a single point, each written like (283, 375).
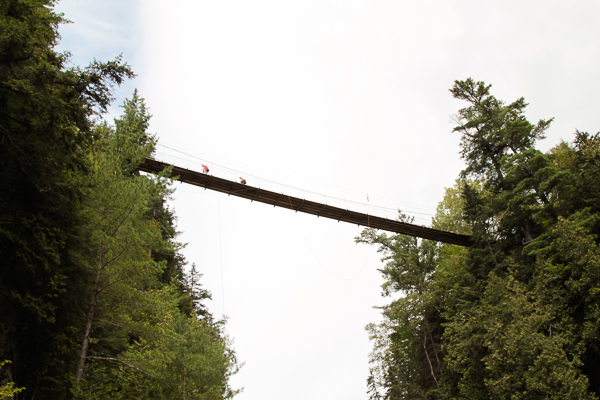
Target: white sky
(341, 97)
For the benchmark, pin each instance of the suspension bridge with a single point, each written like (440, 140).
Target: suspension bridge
(302, 205)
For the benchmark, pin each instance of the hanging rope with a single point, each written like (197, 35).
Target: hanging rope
(221, 254)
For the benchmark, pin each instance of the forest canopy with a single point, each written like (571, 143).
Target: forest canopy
(95, 297)
(98, 302)
(516, 315)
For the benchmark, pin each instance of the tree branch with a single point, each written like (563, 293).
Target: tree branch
(125, 363)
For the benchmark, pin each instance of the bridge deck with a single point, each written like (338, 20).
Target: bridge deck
(310, 207)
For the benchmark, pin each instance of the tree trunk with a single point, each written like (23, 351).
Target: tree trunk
(89, 320)
(183, 383)
(527, 234)
(429, 360)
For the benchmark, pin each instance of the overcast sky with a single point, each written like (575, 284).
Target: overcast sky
(347, 99)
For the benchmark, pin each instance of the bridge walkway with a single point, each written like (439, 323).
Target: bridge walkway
(305, 206)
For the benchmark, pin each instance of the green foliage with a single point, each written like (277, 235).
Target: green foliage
(498, 145)
(143, 337)
(407, 359)
(516, 314)
(118, 238)
(46, 114)
(85, 240)
(169, 356)
(8, 390)
(187, 354)
(532, 339)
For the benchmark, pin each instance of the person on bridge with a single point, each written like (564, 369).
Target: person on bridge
(242, 181)
(204, 169)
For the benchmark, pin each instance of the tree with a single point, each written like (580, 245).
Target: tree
(191, 356)
(498, 145)
(84, 238)
(147, 333)
(407, 361)
(46, 113)
(516, 218)
(118, 236)
(168, 356)
(515, 315)
(526, 339)
(8, 390)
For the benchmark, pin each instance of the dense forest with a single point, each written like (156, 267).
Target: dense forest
(517, 314)
(96, 301)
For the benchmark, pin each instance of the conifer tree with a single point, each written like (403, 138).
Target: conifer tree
(119, 238)
(516, 314)
(47, 110)
(86, 241)
(147, 333)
